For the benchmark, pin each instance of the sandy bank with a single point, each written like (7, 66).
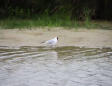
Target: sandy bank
(82, 37)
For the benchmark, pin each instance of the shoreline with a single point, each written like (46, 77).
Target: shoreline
(90, 38)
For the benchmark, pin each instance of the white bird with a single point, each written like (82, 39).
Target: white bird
(51, 42)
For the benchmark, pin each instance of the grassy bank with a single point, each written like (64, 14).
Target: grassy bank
(53, 21)
(49, 21)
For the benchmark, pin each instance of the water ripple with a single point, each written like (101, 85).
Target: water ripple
(60, 66)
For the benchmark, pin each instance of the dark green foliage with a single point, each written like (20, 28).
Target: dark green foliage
(98, 9)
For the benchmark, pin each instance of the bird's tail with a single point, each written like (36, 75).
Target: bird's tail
(42, 42)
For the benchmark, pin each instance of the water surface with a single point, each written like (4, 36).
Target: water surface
(60, 66)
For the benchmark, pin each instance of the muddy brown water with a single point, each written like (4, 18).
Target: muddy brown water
(60, 66)
(92, 38)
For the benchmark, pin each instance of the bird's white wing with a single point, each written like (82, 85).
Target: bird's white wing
(50, 42)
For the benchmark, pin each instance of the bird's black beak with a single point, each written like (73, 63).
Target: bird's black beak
(57, 38)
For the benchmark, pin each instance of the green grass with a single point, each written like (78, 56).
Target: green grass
(54, 21)
(23, 19)
(43, 21)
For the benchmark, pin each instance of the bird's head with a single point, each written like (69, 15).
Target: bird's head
(57, 38)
